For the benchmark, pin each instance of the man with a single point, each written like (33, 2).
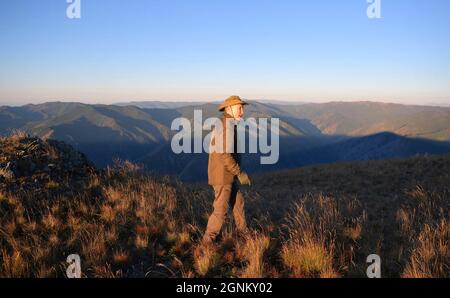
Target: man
(223, 171)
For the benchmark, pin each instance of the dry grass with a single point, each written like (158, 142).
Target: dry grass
(312, 231)
(121, 257)
(52, 185)
(50, 222)
(307, 259)
(253, 251)
(17, 135)
(206, 259)
(13, 265)
(426, 225)
(6, 173)
(431, 256)
(107, 213)
(125, 224)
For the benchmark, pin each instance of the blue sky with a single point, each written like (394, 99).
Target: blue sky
(208, 49)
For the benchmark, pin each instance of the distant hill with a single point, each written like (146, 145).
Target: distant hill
(309, 132)
(364, 118)
(156, 104)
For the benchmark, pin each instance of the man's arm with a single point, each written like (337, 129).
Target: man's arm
(230, 164)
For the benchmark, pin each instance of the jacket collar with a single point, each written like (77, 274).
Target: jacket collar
(226, 115)
(230, 118)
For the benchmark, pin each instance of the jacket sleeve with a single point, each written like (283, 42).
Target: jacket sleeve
(230, 164)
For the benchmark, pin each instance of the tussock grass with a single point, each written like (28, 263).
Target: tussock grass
(206, 259)
(425, 223)
(312, 231)
(253, 251)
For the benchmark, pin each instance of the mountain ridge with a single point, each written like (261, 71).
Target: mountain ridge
(309, 132)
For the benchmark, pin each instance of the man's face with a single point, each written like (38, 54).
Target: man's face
(237, 111)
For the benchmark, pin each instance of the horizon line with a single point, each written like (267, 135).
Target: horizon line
(215, 101)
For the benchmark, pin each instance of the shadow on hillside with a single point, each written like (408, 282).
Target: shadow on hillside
(300, 151)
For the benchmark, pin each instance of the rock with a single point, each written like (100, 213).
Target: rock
(29, 162)
(25, 167)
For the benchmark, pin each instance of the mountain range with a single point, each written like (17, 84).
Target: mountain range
(310, 133)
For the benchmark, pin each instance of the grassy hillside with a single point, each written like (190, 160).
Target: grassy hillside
(318, 221)
(405, 207)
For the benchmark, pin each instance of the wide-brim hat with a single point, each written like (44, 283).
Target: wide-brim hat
(231, 101)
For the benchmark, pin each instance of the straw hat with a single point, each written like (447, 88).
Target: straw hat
(231, 101)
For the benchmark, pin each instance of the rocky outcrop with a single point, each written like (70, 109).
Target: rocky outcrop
(29, 162)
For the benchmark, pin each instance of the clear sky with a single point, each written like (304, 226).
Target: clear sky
(209, 49)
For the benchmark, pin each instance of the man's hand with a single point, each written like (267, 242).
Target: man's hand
(244, 179)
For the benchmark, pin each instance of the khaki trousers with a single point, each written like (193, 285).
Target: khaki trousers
(224, 196)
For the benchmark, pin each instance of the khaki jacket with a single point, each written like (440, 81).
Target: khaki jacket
(224, 166)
